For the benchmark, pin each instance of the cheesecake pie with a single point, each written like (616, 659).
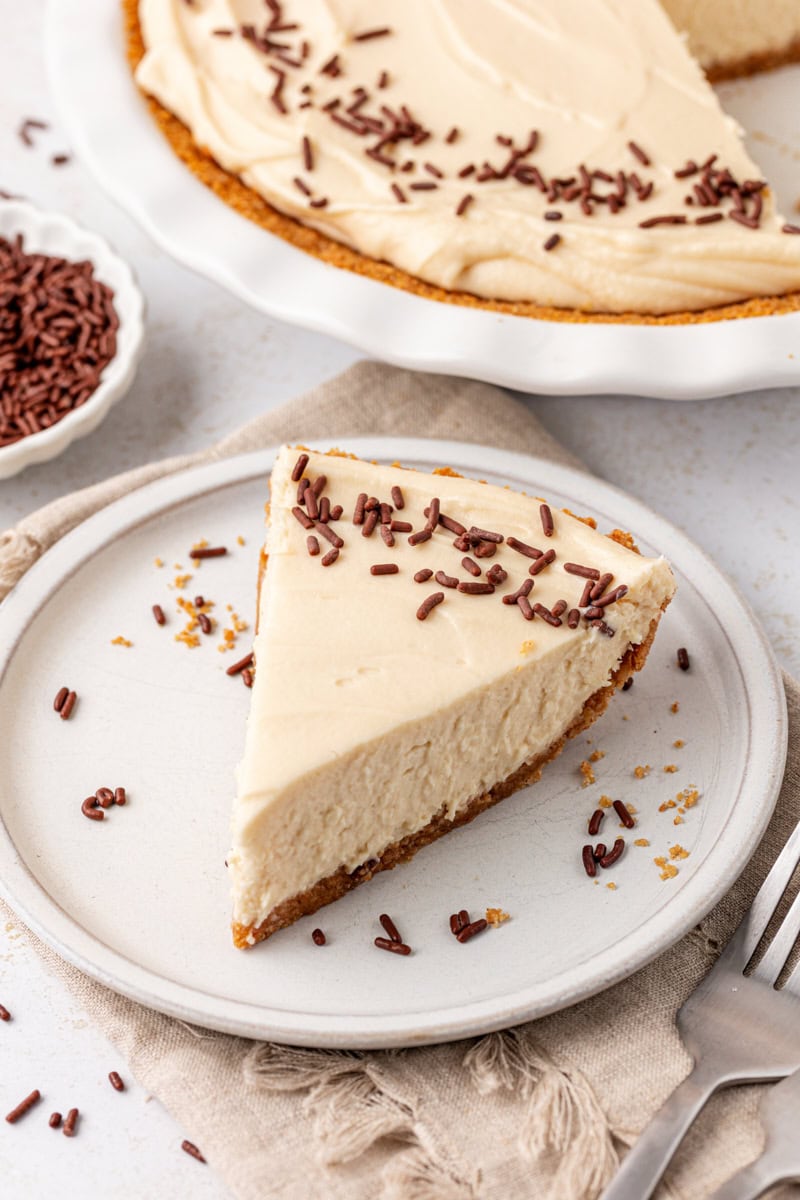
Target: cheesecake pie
(557, 158)
(425, 645)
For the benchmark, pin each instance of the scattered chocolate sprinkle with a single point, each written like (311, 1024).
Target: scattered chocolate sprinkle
(584, 572)
(603, 628)
(105, 797)
(55, 1120)
(552, 241)
(553, 215)
(428, 604)
(329, 534)
(393, 947)
(456, 923)
(384, 569)
(358, 511)
(444, 580)
(247, 661)
(423, 186)
(5, 1015)
(422, 535)
(89, 809)
(470, 565)
(559, 608)
(484, 535)
(611, 597)
(205, 623)
(208, 552)
(589, 865)
(638, 153)
(628, 684)
(191, 1149)
(475, 589)
(24, 1106)
(601, 585)
(387, 535)
(469, 931)
(743, 219)
(683, 659)
(432, 513)
(586, 594)
(595, 821)
(368, 528)
(324, 510)
(64, 709)
(546, 514)
(709, 218)
(608, 860)
(399, 194)
(383, 79)
(451, 524)
(24, 131)
(673, 219)
(522, 548)
(116, 1081)
(305, 521)
(225, 33)
(336, 512)
(299, 467)
(573, 618)
(547, 616)
(524, 589)
(60, 160)
(390, 927)
(120, 797)
(789, 228)
(318, 937)
(369, 34)
(310, 501)
(525, 608)
(158, 613)
(464, 204)
(497, 575)
(592, 613)
(401, 526)
(397, 497)
(623, 814)
(330, 558)
(318, 486)
(541, 563)
(276, 95)
(466, 171)
(308, 154)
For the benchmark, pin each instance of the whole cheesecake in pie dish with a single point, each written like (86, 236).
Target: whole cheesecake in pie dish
(559, 158)
(425, 645)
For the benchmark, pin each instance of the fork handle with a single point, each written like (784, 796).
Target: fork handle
(646, 1162)
(753, 1180)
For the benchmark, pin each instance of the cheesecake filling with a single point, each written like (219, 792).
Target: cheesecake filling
(519, 150)
(367, 722)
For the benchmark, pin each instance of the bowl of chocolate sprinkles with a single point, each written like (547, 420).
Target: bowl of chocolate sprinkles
(71, 333)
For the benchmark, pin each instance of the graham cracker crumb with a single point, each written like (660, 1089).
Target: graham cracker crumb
(120, 641)
(180, 581)
(605, 802)
(612, 887)
(158, 562)
(587, 773)
(641, 772)
(667, 870)
(677, 820)
(679, 743)
(496, 916)
(596, 755)
(675, 707)
(240, 540)
(527, 647)
(670, 768)
(677, 851)
(641, 842)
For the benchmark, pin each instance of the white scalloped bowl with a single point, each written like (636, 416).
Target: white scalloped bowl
(52, 233)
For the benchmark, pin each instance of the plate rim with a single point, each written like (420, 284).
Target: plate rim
(133, 162)
(764, 769)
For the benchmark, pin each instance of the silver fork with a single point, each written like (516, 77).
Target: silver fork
(737, 1028)
(780, 1159)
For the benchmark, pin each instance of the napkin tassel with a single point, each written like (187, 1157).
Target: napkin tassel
(18, 552)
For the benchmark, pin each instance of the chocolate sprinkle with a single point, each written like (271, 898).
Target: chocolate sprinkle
(199, 552)
(552, 241)
(428, 604)
(312, 545)
(397, 497)
(330, 558)
(390, 927)
(116, 1081)
(247, 661)
(190, 1149)
(548, 526)
(628, 684)
(469, 931)
(470, 565)
(589, 865)
(542, 562)
(318, 937)
(422, 535)
(683, 659)
(623, 814)
(393, 947)
(522, 548)
(584, 572)
(608, 860)
(638, 153)
(475, 589)
(299, 467)
(595, 821)
(24, 1106)
(158, 613)
(423, 576)
(384, 569)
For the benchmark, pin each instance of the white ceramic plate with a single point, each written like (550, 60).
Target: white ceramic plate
(120, 143)
(53, 233)
(141, 901)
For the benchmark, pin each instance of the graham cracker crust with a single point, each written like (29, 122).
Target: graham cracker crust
(342, 881)
(249, 204)
(753, 64)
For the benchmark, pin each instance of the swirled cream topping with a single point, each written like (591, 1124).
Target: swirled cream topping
(566, 152)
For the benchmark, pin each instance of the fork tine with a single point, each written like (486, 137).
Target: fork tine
(776, 954)
(755, 921)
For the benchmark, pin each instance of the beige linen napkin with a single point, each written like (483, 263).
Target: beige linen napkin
(542, 1110)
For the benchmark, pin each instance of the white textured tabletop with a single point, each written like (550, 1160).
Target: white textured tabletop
(726, 470)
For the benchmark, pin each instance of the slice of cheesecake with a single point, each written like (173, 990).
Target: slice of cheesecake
(425, 645)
